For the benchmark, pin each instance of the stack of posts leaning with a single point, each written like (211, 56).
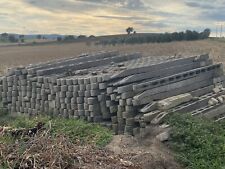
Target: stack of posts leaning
(125, 92)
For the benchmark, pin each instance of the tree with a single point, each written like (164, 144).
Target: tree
(21, 38)
(205, 34)
(81, 37)
(4, 35)
(69, 38)
(12, 39)
(129, 30)
(59, 38)
(38, 36)
(92, 36)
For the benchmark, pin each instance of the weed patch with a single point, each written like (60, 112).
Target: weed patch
(75, 130)
(199, 143)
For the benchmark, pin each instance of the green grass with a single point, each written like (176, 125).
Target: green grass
(76, 130)
(199, 143)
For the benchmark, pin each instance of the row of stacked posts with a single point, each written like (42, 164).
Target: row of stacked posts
(125, 92)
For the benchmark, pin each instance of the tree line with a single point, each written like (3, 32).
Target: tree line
(5, 37)
(136, 38)
(72, 38)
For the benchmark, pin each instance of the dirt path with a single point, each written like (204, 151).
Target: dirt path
(147, 152)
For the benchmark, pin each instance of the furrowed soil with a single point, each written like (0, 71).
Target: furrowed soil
(11, 56)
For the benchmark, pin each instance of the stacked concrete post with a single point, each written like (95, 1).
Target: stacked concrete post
(120, 91)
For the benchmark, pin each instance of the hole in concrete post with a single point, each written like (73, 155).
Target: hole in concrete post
(185, 75)
(203, 70)
(171, 79)
(191, 73)
(197, 72)
(145, 85)
(209, 68)
(178, 77)
(155, 83)
(162, 81)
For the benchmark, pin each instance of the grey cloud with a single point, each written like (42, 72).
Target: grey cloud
(124, 17)
(152, 24)
(62, 5)
(213, 15)
(79, 5)
(144, 13)
(200, 5)
(134, 4)
(205, 4)
(209, 10)
(128, 4)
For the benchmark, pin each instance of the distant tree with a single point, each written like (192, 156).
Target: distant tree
(91, 36)
(4, 35)
(188, 35)
(205, 34)
(181, 36)
(129, 30)
(69, 38)
(156, 37)
(12, 38)
(81, 37)
(59, 38)
(38, 36)
(21, 38)
(191, 35)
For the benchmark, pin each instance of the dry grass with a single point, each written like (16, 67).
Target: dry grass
(43, 151)
(23, 55)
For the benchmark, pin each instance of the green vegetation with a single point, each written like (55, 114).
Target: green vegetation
(60, 143)
(199, 143)
(75, 130)
(136, 38)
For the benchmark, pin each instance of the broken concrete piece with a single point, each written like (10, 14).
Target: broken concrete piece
(164, 136)
(217, 89)
(148, 117)
(212, 102)
(174, 101)
(220, 99)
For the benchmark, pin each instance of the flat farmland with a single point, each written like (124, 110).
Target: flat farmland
(11, 56)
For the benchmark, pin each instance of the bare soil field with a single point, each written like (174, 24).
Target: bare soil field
(22, 55)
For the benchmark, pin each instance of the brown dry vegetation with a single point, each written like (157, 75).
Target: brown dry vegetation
(22, 55)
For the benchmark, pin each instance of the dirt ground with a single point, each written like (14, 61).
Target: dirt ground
(22, 55)
(147, 152)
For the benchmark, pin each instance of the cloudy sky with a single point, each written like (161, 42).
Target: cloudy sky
(101, 17)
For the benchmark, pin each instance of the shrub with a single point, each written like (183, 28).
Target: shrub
(199, 143)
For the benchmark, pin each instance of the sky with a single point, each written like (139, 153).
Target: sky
(103, 17)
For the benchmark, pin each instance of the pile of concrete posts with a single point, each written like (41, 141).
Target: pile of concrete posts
(125, 92)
